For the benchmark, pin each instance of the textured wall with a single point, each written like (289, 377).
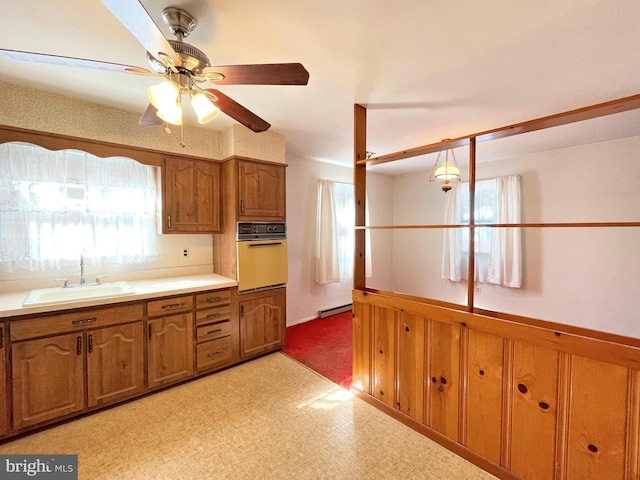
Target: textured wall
(38, 110)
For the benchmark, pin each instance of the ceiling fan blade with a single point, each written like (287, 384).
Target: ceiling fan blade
(261, 74)
(135, 18)
(150, 117)
(237, 111)
(18, 56)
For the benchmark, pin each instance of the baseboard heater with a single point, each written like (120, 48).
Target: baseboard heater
(334, 311)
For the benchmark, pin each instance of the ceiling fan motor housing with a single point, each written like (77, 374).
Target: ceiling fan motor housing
(193, 59)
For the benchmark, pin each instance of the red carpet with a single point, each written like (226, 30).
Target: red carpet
(323, 345)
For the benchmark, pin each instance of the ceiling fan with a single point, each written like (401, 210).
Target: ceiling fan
(183, 67)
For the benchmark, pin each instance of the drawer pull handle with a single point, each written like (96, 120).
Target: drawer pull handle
(84, 321)
(172, 306)
(213, 332)
(90, 343)
(79, 346)
(213, 315)
(214, 299)
(215, 354)
(1, 337)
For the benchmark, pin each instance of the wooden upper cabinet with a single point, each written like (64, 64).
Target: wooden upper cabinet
(261, 191)
(192, 193)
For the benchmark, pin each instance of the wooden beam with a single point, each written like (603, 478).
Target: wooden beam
(564, 118)
(360, 193)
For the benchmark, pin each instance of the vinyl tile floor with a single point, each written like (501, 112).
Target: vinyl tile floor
(270, 418)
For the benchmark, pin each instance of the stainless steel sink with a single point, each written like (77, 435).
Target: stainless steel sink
(81, 292)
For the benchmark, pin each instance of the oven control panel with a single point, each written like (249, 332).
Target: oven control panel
(261, 230)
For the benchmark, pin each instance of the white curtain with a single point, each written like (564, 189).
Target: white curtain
(454, 266)
(335, 227)
(498, 258)
(56, 205)
(505, 260)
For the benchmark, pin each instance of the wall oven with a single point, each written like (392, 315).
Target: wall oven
(261, 255)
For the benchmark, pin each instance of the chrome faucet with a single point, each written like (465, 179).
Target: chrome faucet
(82, 280)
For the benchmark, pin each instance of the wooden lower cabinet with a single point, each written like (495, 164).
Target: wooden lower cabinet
(535, 411)
(444, 379)
(362, 347)
(598, 405)
(519, 400)
(384, 355)
(48, 379)
(4, 423)
(411, 365)
(115, 364)
(485, 391)
(169, 349)
(262, 321)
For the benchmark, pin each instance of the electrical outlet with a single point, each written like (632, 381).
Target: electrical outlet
(185, 252)
(478, 290)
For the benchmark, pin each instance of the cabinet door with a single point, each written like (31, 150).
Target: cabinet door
(115, 364)
(48, 379)
(362, 346)
(445, 379)
(261, 191)
(384, 354)
(411, 363)
(170, 349)
(597, 420)
(485, 389)
(262, 323)
(535, 410)
(3, 383)
(192, 196)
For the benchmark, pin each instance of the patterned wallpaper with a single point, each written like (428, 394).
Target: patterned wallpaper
(44, 111)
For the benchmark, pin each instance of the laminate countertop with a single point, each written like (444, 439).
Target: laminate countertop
(11, 304)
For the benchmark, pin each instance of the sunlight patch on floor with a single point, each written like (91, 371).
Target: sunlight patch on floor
(329, 399)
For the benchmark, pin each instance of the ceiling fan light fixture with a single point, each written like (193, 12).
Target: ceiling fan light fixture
(171, 114)
(164, 95)
(205, 110)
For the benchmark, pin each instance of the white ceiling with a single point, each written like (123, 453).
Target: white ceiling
(425, 69)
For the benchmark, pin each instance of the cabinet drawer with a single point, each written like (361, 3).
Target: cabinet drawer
(213, 315)
(214, 353)
(71, 322)
(216, 330)
(213, 299)
(169, 306)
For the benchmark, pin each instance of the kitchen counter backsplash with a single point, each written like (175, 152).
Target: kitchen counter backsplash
(11, 303)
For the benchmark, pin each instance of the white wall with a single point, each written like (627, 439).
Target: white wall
(585, 277)
(304, 296)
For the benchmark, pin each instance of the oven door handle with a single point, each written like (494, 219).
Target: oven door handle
(265, 244)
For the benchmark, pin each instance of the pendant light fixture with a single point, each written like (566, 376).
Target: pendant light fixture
(447, 172)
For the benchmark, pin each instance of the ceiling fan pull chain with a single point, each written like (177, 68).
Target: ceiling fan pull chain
(182, 144)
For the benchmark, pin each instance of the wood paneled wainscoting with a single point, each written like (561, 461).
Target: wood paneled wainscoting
(520, 398)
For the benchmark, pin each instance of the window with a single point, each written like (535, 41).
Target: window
(497, 249)
(335, 232)
(55, 206)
